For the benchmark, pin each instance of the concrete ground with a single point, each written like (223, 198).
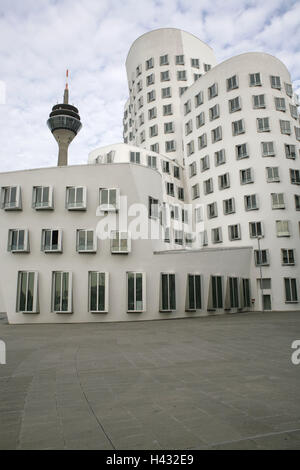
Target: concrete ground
(222, 382)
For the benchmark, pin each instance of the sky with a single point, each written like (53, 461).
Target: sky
(39, 40)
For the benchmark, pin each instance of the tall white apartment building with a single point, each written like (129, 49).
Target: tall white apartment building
(209, 168)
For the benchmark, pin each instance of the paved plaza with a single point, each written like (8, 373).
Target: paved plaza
(220, 382)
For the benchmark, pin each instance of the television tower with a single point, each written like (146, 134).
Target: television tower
(64, 123)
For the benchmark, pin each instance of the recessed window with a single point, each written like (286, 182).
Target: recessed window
(164, 60)
(295, 176)
(169, 127)
(251, 202)
(290, 151)
(204, 163)
(213, 91)
(109, 199)
(277, 200)
(232, 83)
(234, 232)
(224, 181)
(235, 104)
(193, 169)
(285, 127)
(195, 191)
(216, 134)
(258, 101)
(180, 193)
(150, 79)
(11, 198)
(282, 228)
(234, 294)
(208, 186)
(178, 237)
(194, 298)
(190, 148)
(220, 157)
(62, 292)
(199, 99)
(181, 75)
(149, 63)
(166, 92)
(42, 197)
(195, 63)
(51, 240)
(152, 161)
(18, 241)
(165, 76)
(168, 292)
(214, 112)
(179, 59)
(241, 151)
(267, 149)
(273, 174)
(275, 82)
(216, 287)
(153, 208)
(27, 292)
(288, 89)
(98, 292)
(153, 131)
(167, 109)
(297, 202)
(187, 107)
(76, 198)
(151, 96)
(238, 127)
(263, 124)
(86, 241)
(165, 166)
(135, 157)
(120, 242)
(280, 104)
(170, 145)
(188, 127)
(246, 176)
(287, 257)
(290, 287)
(212, 210)
(152, 113)
(294, 111)
(228, 206)
(254, 79)
(261, 257)
(255, 229)
(207, 67)
(136, 291)
(200, 119)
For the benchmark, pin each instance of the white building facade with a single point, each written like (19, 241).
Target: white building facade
(149, 229)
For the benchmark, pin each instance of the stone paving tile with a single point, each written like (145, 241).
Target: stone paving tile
(218, 382)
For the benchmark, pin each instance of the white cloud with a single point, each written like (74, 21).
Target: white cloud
(39, 40)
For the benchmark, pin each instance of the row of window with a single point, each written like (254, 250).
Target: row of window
(51, 241)
(165, 60)
(237, 292)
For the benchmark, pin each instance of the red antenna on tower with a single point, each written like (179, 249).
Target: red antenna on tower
(67, 76)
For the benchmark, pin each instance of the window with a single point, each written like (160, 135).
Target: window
(166, 92)
(164, 59)
(295, 176)
(135, 157)
(277, 200)
(241, 151)
(214, 112)
(187, 107)
(153, 130)
(202, 141)
(251, 202)
(188, 127)
(212, 210)
(208, 186)
(98, 292)
(267, 149)
(228, 206)
(285, 127)
(280, 104)
(150, 79)
(86, 241)
(109, 199)
(182, 89)
(290, 151)
(288, 257)
(170, 146)
(234, 296)
(18, 241)
(165, 76)
(254, 79)
(149, 63)
(120, 242)
(261, 257)
(290, 286)
(152, 161)
(142, 137)
(288, 89)
(190, 148)
(179, 59)
(294, 111)
(199, 98)
(139, 86)
(195, 63)
(238, 127)
(203, 240)
(62, 292)
(176, 171)
(207, 67)
(263, 124)
(165, 166)
(212, 91)
(297, 202)
(167, 237)
(217, 291)
(151, 96)
(204, 163)
(258, 101)
(170, 189)
(232, 83)
(216, 235)
(136, 291)
(282, 228)
(167, 109)
(154, 148)
(224, 181)
(195, 191)
(272, 174)
(194, 300)
(42, 197)
(140, 102)
(216, 134)
(275, 82)
(141, 119)
(27, 292)
(178, 237)
(246, 293)
(153, 208)
(168, 292)
(234, 232)
(220, 157)
(181, 75)
(76, 198)
(255, 229)
(200, 120)
(169, 127)
(51, 240)
(152, 113)
(246, 176)
(193, 169)
(138, 70)
(235, 104)
(180, 193)
(11, 198)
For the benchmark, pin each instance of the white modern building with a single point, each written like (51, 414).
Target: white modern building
(196, 213)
